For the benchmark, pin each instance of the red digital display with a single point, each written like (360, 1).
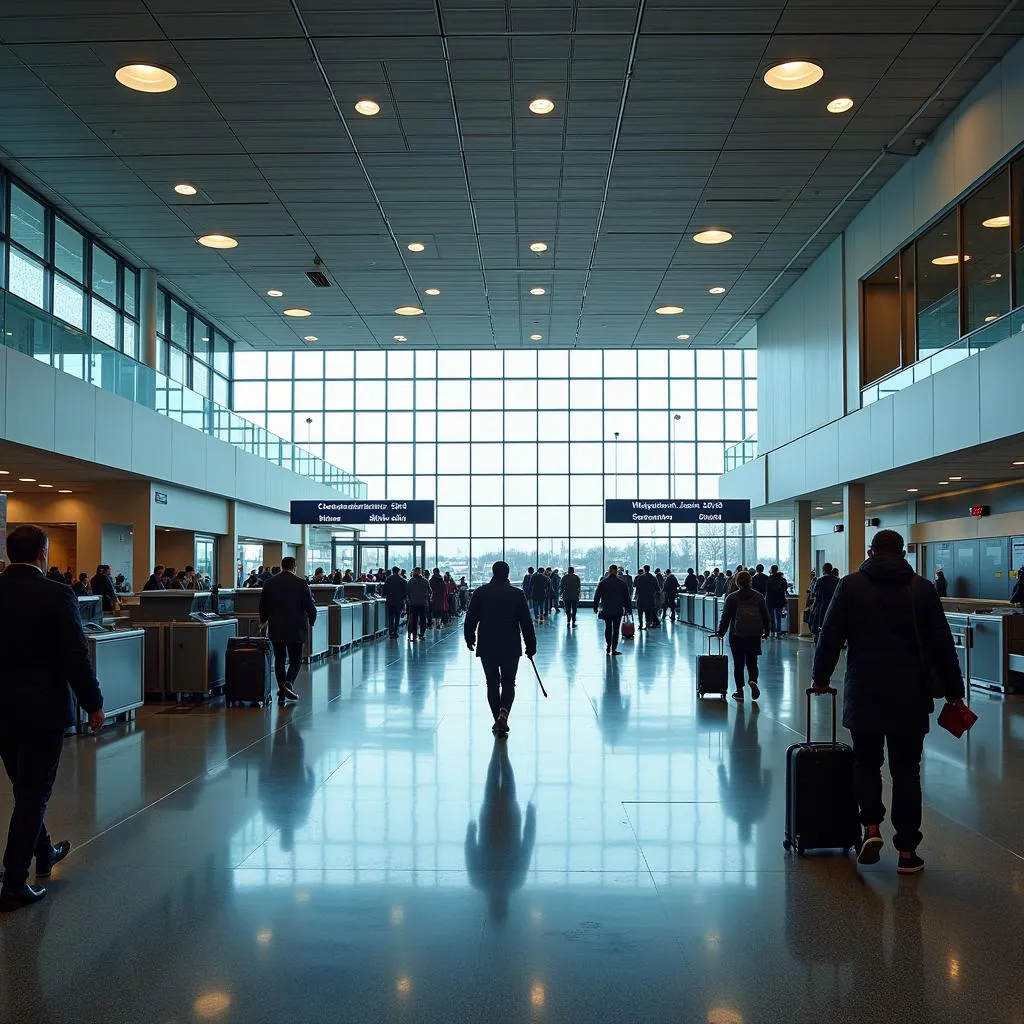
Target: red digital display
(979, 510)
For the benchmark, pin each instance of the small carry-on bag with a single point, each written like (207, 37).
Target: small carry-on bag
(821, 801)
(628, 629)
(713, 671)
(248, 671)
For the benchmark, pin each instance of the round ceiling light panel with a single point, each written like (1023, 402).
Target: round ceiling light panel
(793, 74)
(145, 78)
(712, 236)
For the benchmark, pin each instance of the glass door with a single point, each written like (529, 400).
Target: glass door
(374, 555)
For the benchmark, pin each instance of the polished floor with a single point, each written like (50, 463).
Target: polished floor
(370, 854)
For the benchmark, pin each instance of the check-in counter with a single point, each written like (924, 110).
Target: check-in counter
(117, 659)
(246, 601)
(318, 634)
(792, 620)
(345, 623)
(709, 613)
(375, 592)
(686, 607)
(996, 647)
(222, 601)
(366, 625)
(173, 605)
(196, 653)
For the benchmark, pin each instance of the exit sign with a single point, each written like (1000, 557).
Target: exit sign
(980, 510)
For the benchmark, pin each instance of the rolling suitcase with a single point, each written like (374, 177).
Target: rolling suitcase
(247, 671)
(713, 671)
(628, 629)
(821, 801)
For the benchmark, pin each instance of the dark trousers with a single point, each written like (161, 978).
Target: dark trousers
(394, 619)
(417, 619)
(611, 630)
(571, 608)
(775, 614)
(30, 759)
(905, 768)
(293, 654)
(501, 682)
(646, 615)
(670, 608)
(744, 656)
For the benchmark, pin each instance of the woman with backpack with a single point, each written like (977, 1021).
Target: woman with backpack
(745, 618)
(776, 597)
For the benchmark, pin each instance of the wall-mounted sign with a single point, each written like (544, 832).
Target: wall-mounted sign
(838, 528)
(361, 513)
(667, 510)
(160, 497)
(873, 521)
(980, 510)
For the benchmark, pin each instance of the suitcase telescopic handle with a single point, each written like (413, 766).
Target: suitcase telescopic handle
(831, 691)
(721, 643)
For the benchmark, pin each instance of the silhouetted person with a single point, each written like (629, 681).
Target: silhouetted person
(395, 591)
(570, 591)
(745, 619)
(671, 590)
(44, 653)
(498, 617)
(941, 584)
(286, 605)
(418, 602)
(81, 587)
(103, 586)
(612, 600)
(498, 854)
(646, 587)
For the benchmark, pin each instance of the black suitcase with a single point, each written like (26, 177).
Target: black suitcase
(247, 671)
(713, 671)
(821, 801)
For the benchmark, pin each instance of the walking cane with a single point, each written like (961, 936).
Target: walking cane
(537, 674)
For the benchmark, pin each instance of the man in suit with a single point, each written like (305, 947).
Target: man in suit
(155, 582)
(395, 590)
(286, 605)
(498, 617)
(612, 599)
(103, 586)
(44, 652)
(646, 587)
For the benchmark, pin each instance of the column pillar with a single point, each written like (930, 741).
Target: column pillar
(855, 546)
(802, 565)
(148, 317)
(300, 552)
(227, 552)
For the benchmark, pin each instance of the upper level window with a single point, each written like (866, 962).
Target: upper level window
(986, 269)
(28, 221)
(69, 250)
(104, 273)
(938, 297)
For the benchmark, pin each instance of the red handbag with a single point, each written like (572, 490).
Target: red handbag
(957, 718)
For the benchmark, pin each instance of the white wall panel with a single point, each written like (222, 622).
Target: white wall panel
(1000, 375)
(188, 456)
(747, 481)
(913, 434)
(881, 449)
(190, 510)
(787, 470)
(978, 131)
(151, 444)
(113, 445)
(74, 431)
(251, 521)
(821, 457)
(956, 416)
(854, 446)
(29, 397)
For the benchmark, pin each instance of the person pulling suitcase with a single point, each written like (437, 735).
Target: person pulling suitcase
(745, 618)
(286, 604)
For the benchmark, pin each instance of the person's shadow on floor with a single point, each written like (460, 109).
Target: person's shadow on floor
(614, 707)
(287, 783)
(498, 854)
(745, 790)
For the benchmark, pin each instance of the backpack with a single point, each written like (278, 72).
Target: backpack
(747, 621)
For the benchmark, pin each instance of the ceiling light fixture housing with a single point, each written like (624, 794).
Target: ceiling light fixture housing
(542, 105)
(275, 293)
(401, 337)
(409, 311)
(1002, 221)
(297, 311)
(538, 247)
(717, 290)
(185, 188)
(948, 261)
(793, 74)
(432, 291)
(145, 78)
(669, 310)
(537, 291)
(712, 236)
(65, 491)
(682, 337)
(415, 247)
(840, 105)
(536, 337)
(310, 338)
(217, 241)
(368, 108)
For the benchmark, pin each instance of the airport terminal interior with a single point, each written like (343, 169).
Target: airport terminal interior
(443, 283)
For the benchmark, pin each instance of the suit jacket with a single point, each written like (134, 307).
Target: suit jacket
(613, 596)
(103, 586)
(418, 592)
(646, 586)
(45, 652)
(570, 587)
(287, 604)
(498, 615)
(395, 589)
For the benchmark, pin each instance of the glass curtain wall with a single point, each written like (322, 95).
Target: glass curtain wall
(519, 449)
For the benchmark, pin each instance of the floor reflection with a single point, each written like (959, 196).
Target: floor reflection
(745, 789)
(498, 852)
(287, 783)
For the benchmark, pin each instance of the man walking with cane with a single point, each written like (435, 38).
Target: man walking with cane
(497, 623)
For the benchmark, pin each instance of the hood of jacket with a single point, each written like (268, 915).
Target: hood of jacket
(888, 570)
(745, 595)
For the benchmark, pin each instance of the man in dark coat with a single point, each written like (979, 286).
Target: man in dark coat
(44, 653)
(759, 581)
(898, 636)
(646, 587)
(418, 600)
(103, 586)
(395, 590)
(824, 587)
(286, 605)
(612, 600)
(498, 617)
(570, 589)
(671, 589)
(691, 584)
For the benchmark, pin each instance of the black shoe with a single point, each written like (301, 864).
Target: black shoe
(870, 848)
(911, 865)
(57, 854)
(15, 899)
(615, 654)
(286, 693)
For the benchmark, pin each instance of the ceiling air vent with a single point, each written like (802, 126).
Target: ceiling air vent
(317, 276)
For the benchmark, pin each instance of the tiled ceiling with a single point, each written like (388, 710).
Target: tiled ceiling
(662, 127)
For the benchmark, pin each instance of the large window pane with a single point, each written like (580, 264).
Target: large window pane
(104, 277)
(69, 250)
(28, 222)
(938, 307)
(986, 222)
(68, 302)
(103, 322)
(27, 278)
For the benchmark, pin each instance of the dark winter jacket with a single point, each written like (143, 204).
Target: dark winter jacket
(728, 620)
(824, 587)
(775, 595)
(646, 586)
(612, 596)
(721, 582)
(418, 593)
(395, 590)
(498, 616)
(886, 683)
(570, 587)
(691, 584)
(759, 582)
(671, 587)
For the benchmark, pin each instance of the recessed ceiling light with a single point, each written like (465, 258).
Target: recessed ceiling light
(991, 317)
(409, 311)
(145, 78)
(47, 486)
(682, 337)
(311, 338)
(911, 490)
(542, 105)
(712, 236)
(368, 108)
(217, 241)
(948, 261)
(819, 508)
(432, 291)
(717, 290)
(6, 492)
(27, 479)
(793, 74)
(5, 472)
(837, 503)
(1021, 463)
(401, 337)
(669, 310)
(538, 247)
(536, 291)
(185, 189)
(536, 337)
(956, 478)
(943, 483)
(275, 293)
(840, 105)
(65, 491)
(867, 502)
(297, 311)
(1002, 221)
(415, 247)
(995, 277)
